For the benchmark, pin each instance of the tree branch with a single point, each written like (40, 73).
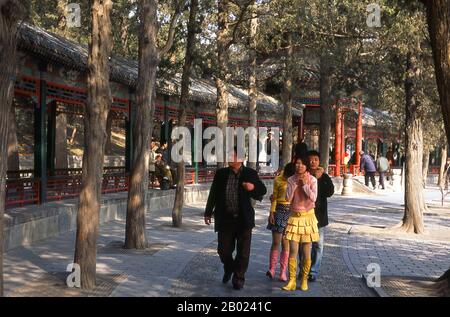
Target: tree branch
(162, 51)
(238, 23)
(249, 18)
(347, 36)
(236, 2)
(266, 54)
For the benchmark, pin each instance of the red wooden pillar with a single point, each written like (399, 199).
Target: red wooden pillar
(359, 134)
(338, 141)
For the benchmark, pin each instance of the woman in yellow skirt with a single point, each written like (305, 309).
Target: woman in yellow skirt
(302, 227)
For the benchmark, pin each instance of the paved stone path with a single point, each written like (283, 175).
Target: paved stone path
(183, 262)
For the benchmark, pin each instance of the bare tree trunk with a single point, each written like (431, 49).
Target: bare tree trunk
(222, 77)
(10, 13)
(61, 141)
(325, 113)
(414, 200)
(253, 93)
(96, 113)
(425, 166)
(149, 57)
(124, 33)
(13, 146)
(177, 217)
(286, 98)
(443, 154)
(135, 235)
(438, 17)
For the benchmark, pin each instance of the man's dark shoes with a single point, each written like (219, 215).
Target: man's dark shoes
(226, 277)
(237, 285)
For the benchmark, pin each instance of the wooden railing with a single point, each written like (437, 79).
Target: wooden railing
(66, 184)
(79, 171)
(343, 169)
(20, 192)
(189, 175)
(114, 183)
(63, 187)
(206, 175)
(20, 174)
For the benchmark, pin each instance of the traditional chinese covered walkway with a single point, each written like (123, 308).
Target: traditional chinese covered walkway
(52, 81)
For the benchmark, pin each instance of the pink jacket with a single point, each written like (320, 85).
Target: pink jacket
(302, 198)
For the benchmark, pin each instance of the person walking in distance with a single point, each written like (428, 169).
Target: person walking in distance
(368, 166)
(278, 217)
(229, 201)
(391, 160)
(383, 168)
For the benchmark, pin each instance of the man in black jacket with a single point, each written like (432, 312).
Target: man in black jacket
(325, 189)
(234, 217)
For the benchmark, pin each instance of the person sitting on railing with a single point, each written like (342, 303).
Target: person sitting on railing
(164, 151)
(346, 157)
(162, 173)
(152, 161)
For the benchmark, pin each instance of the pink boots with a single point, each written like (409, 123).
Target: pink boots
(283, 264)
(273, 263)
